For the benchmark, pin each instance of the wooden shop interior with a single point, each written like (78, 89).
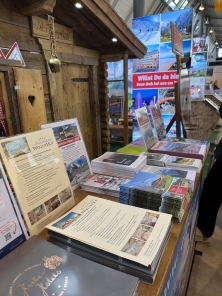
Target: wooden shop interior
(33, 95)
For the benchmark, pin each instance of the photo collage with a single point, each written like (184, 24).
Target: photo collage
(155, 74)
(141, 235)
(198, 70)
(48, 206)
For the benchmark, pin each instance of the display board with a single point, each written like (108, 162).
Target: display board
(154, 75)
(73, 150)
(38, 176)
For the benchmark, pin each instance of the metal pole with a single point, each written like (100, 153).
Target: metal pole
(138, 8)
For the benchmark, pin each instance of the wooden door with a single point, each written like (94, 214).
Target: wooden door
(73, 100)
(32, 114)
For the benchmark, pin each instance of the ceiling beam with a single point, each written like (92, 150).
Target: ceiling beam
(36, 7)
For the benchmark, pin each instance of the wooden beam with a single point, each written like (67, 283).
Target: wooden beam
(36, 7)
(125, 75)
(75, 59)
(52, 86)
(13, 103)
(10, 63)
(95, 107)
(111, 58)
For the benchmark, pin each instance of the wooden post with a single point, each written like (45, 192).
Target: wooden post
(95, 107)
(125, 73)
(177, 108)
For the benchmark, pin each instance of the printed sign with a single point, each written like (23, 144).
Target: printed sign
(2, 56)
(177, 40)
(15, 54)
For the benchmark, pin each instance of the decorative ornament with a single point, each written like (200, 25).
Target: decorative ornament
(52, 262)
(54, 62)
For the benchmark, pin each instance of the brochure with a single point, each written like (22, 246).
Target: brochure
(72, 148)
(38, 176)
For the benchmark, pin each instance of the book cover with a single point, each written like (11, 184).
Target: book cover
(72, 148)
(121, 159)
(189, 150)
(39, 268)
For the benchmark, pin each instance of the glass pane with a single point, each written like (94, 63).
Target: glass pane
(115, 70)
(184, 4)
(176, 1)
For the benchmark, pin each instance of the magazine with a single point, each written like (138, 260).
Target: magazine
(73, 150)
(158, 121)
(184, 163)
(180, 149)
(145, 127)
(38, 176)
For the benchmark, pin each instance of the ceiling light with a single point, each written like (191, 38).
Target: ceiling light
(78, 5)
(211, 30)
(216, 42)
(114, 39)
(201, 6)
(207, 21)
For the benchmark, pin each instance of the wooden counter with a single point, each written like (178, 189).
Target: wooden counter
(169, 252)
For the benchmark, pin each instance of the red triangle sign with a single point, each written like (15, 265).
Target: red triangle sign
(2, 56)
(15, 54)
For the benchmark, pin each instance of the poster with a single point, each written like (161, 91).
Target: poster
(38, 176)
(154, 75)
(198, 70)
(145, 127)
(12, 228)
(73, 150)
(129, 232)
(177, 40)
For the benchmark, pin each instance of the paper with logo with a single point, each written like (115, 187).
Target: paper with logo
(38, 176)
(40, 268)
(145, 127)
(72, 148)
(12, 228)
(129, 232)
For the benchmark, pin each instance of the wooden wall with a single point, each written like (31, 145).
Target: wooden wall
(63, 98)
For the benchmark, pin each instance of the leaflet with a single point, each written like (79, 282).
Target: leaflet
(38, 176)
(72, 148)
(127, 231)
(12, 228)
(145, 127)
(158, 121)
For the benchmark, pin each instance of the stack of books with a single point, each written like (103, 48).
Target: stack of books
(103, 184)
(38, 267)
(181, 149)
(157, 159)
(184, 163)
(157, 192)
(118, 164)
(173, 172)
(116, 235)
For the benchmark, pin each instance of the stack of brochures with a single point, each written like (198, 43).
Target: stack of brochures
(177, 172)
(192, 141)
(118, 164)
(38, 267)
(156, 158)
(119, 236)
(184, 163)
(157, 192)
(176, 198)
(103, 184)
(181, 149)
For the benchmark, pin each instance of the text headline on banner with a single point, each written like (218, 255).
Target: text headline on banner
(155, 80)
